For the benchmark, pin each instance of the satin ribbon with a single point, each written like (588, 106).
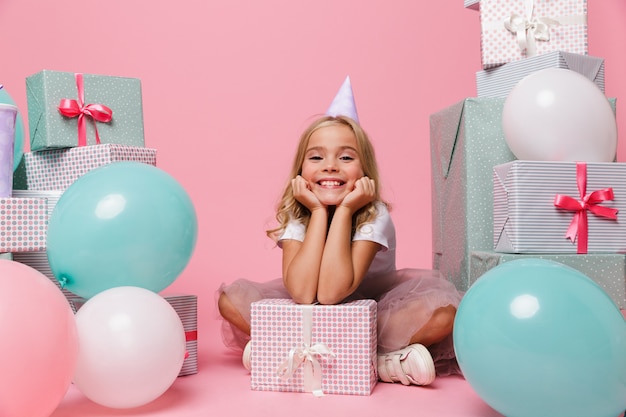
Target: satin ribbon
(587, 202)
(529, 29)
(191, 335)
(307, 355)
(77, 108)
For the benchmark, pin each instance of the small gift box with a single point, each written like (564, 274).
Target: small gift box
(186, 306)
(559, 207)
(608, 270)
(515, 29)
(71, 109)
(499, 81)
(23, 224)
(58, 169)
(323, 349)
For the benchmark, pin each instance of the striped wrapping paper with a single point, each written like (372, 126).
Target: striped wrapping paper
(499, 45)
(471, 4)
(499, 81)
(525, 219)
(186, 306)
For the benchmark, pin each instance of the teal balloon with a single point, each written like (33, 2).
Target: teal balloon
(123, 224)
(18, 149)
(536, 338)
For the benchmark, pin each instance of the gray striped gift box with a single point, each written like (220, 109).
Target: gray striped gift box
(499, 81)
(525, 219)
(186, 306)
(472, 4)
(39, 260)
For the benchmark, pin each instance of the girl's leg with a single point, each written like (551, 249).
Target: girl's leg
(230, 313)
(437, 328)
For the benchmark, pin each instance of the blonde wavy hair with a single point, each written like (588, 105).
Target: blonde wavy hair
(289, 208)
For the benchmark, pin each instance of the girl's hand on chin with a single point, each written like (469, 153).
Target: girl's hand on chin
(303, 194)
(364, 192)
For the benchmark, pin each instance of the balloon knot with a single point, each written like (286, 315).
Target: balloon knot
(63, 282)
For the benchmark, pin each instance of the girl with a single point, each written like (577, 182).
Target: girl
(338, 244)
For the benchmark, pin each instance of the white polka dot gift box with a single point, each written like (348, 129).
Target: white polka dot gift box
(58, 169)
(515, 29)
(68, 109)
(23, 224)
(321, 349)
(466, 142)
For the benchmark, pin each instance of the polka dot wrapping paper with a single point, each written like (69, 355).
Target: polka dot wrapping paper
(466, 141)
(49, 129)
(608, 270)
(58, 169)
(23, 224)
(552, 25)
(340, 340)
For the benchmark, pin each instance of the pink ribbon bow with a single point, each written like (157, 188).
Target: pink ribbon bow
(591, 201)
(73, 108)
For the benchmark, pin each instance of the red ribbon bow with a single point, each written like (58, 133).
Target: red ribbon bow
(590, 202)
(97, 112)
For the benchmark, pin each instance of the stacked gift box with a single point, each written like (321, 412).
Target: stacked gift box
(77, 123)
(488, 207)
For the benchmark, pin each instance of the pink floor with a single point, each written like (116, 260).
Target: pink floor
(222, 387)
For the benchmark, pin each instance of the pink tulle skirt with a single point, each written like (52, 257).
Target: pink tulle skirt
(406, 300)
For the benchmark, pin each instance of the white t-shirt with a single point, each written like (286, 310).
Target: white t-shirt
(381, 231)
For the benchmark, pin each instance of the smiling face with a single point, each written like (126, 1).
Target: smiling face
(331, 163)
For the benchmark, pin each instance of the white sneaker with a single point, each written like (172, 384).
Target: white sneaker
(411, 365)
(245, 358)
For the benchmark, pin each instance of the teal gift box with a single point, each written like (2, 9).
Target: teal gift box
(104, 97)
(608, 270)
(466, 141)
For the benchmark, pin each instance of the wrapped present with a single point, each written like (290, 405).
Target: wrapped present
(472, 4)
(559, 207)
(323, 349)
(71, 109)
(606, 269)
(466, 142)
(23, 224)
(8, 115)
(515, 29)
(58, 169)
(186, 306)
(499, 81)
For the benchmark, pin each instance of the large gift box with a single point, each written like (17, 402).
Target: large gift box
(323, 349)
(68, 109)
(559, 207)
(23, 224)
(466, 142)
(515, 29)
(186, 306)
(608, 270)
(499, 81)
(58, 169)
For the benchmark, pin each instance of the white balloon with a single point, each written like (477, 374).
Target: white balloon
(557, 114)
(132, 347)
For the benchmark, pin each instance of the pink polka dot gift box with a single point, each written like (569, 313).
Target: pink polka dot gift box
(515, 29)
(23, 224)
(321, 349)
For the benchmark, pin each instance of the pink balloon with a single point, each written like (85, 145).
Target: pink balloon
(132, 347)
(557, 114)
(38, 342)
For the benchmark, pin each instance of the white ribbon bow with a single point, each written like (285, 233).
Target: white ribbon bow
(529, 29)
(307, 355)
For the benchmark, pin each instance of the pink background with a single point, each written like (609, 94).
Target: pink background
(228, 85)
